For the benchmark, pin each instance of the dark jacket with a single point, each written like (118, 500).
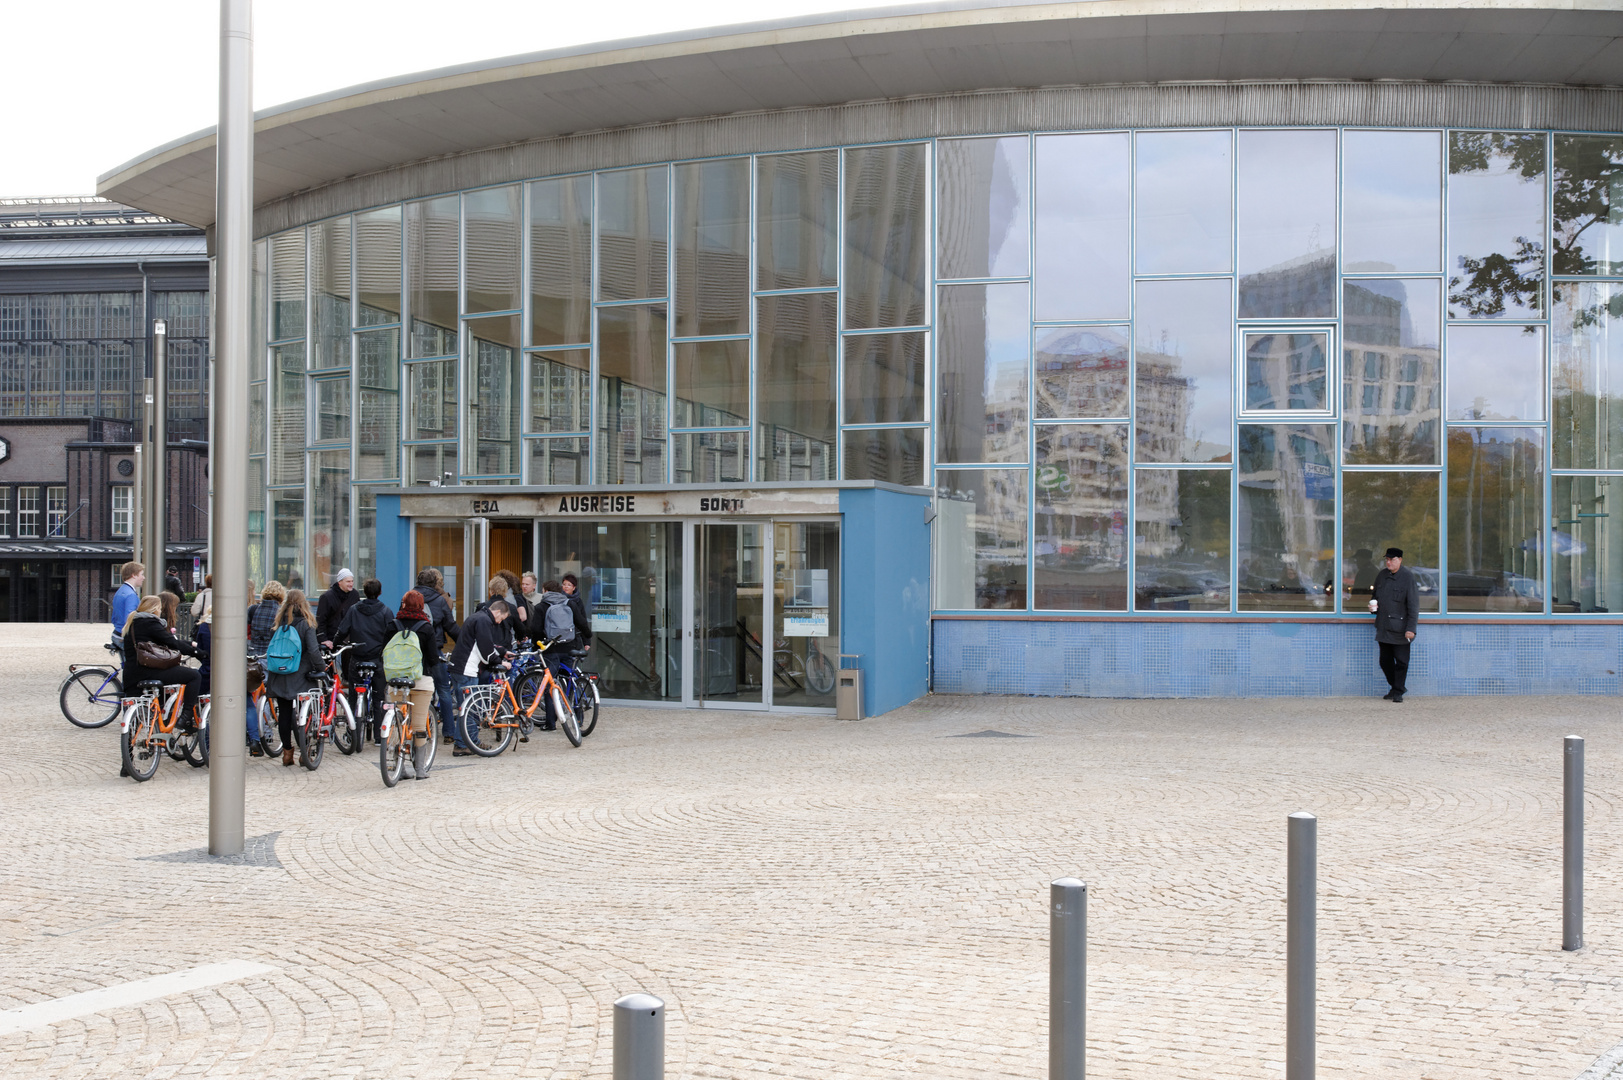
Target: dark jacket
(335, 602)
(147, 626)
(294, 683)
(425, 641)
(261, 621)
(439, 614)
(507, 633)
(367, 625)
(583, 621)
(1397, 605)
(479, 632)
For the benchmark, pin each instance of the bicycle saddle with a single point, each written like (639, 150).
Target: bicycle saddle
(149, 684)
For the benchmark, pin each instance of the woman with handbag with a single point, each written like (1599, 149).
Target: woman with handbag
(283, 687)
(152, 653)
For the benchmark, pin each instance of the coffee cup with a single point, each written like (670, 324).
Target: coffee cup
(1373, 604)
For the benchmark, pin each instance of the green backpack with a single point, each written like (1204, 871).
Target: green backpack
(403, 655)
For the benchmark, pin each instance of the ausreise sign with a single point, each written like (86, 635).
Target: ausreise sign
(752, 502)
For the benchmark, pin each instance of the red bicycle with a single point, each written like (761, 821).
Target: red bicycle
(324, 713)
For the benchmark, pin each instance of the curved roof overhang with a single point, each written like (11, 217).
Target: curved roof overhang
(881, 54)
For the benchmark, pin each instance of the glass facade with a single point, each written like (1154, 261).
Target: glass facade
(1159, 372)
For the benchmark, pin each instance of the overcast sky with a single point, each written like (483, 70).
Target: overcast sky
(89, 87)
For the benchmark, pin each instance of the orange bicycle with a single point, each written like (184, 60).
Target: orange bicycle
(150, 728)
(492, 716)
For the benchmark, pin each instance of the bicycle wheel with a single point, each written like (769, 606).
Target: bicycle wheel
(392, 747)
(304, 734)
(566, 716)
(270, 736)
(90, 697)
(586, 706)
(488, 727)
(196, 745)
(345, 735)
(137, 747)
(819, 671)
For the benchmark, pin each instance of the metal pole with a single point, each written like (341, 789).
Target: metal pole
(1301, 937)
(228, 524)
(639, 1038)
(1572, 846)
(1067, 979)
(159, 465)
(151, 556)
(138, 525)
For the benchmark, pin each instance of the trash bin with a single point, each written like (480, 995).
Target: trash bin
(848, 689)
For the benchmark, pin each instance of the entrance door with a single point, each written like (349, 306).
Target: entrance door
(729, 612)
(510, 546)
(806, 612)
(445, 548)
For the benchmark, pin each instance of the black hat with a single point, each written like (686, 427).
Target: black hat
(1394, 553)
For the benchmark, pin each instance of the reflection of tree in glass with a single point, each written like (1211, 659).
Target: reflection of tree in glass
(1587, 171)
(1492, 280)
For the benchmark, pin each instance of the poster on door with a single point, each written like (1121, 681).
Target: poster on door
(805, 608)
(611, 601)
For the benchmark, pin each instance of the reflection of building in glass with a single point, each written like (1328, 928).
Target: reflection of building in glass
(1299, 287)
(1286, 517)
(1161, 410)
(1080, 517)
(1392, 377)
(1081, 372)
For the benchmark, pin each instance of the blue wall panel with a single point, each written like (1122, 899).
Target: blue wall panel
(394, 550)
(1286, 659)
(885, 593)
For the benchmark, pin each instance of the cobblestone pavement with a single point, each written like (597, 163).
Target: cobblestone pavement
(818, 899)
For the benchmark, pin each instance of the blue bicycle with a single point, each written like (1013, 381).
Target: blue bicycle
(580, 688)
(91, 694)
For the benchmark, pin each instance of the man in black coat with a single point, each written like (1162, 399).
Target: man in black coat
(368, 626)
(445, 630)
(1396, 606)
(334, 603)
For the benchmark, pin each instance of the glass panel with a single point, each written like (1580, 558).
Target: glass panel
(1080, 561)
(559, 461)
(495, 397)
(1286, 224)
(1495, 372)
(631, 397)
(730, 613)
(287, 285)
(1391, 201)
(712, 383)
(982, 217)
(332, 410)
(1287, 522)
(441, 547)
(287, 539)
(1495, 225)
(710, 457)
(1083, 238)
(1391, 371)
(797, 206)
(431, 400)
(1388, 509)
(713, 247)
(795, 387)
(1182, 216)
(431, 270)
(632, 214)
(256, 521)
(329, 289)
(1587, 567)
(1495, 519)
(806, 635)
(980, 539)
(561, 261)
(287, 415)
(1081, 372)
(561, 390)
(490, 227)
(1183, 367)
(366, 533)
(377, 432)
(1287, 371)
(257, 302)
(1586, 352)
(1180, 535)
(884, 378)
(431, 463)
(982, 359)
(894, 455)
(377, 266)
(1588, 230)
(886, 236)
(329, 516)
(257, 418)
(44, 378)
(636, 628)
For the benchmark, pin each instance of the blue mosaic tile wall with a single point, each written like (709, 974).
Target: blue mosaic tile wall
(1288, 659)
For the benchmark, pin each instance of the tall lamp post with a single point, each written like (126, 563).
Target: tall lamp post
(228, 525)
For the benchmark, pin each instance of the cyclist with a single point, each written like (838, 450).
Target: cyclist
(479, 651)
(570, 584)
(368, 626)
(558, 634)
(145, 626)
(432, 588)
(285, 686)
(133, 578)
(413, 617)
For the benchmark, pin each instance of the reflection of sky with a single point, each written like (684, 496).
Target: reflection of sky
(1183, 202)
(1601, 240)
(1007, 233)
(1082, 233)
(1422, 307)
(1487, 211)
(1392, 200)
(1495, 372)
(1193, 321)
(1287, 196)
(1008, 337)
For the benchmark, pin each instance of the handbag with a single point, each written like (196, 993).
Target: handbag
(149, 654)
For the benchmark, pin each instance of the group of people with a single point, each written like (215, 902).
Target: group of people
(515, 609)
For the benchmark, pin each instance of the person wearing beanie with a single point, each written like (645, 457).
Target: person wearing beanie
(334, 604)
(1395, 603)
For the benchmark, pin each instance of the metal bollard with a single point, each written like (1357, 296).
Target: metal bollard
(1067, 979)
(1572, 844)
(1301, 938)
(639, 1038)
